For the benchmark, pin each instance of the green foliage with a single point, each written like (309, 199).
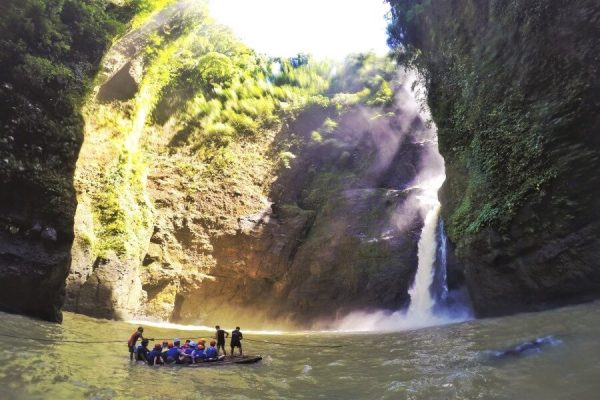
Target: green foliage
(225, 92)
(49, 54)
(512, 124)
(286, 158)
(216, 69)
(144, 9)
(316, 137)
(383, 96)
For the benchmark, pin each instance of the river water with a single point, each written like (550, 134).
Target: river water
(444, 362)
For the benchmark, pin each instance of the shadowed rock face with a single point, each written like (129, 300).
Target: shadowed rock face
(335, 231)
(515, 91)
(337, 237)
(32, 272)
(295, 265)
(37, 203)
(121, 86)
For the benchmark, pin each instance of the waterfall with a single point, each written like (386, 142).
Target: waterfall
(431, 303)
(442, 274)
(422, 300)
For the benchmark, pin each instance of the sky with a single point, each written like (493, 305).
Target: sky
(324, 28)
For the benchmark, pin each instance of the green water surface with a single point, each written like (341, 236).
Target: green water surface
(445, 362)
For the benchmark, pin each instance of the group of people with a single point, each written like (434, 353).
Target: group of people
(190, 352)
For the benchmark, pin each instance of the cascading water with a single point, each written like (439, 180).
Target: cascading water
(441, 276)
(421, 300)
(430, 303)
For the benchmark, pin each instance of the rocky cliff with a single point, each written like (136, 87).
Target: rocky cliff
(49, 54)
(216, 184)
(514, 89)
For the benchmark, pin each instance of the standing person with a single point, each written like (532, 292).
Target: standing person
(133, 340)
(220, 335)
(236, 340)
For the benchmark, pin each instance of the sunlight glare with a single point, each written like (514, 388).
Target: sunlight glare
(324, 28)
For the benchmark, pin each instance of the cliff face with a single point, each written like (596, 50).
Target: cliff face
(337, 233)
(515, 92)
(215, 184)
(49, 53)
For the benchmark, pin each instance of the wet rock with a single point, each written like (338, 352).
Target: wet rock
(49, 234)
(521, 195)
(36, 229)
(112, 290)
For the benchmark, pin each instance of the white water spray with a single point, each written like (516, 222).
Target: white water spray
(428, 285)
(421, 299)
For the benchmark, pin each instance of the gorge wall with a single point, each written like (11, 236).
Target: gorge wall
(49, 54)
(514, 88)
(215, 184)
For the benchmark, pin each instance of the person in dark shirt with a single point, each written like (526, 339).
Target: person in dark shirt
(154, 357)
(220, 335)
(133, 340)
(141, 353)
(236, 340)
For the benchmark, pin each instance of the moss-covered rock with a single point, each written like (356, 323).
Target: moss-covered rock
(49, 55)
(514, 90)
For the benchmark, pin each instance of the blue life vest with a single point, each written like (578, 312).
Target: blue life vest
(173, 353)
(200, 354)
(152, 357)
(211, 352)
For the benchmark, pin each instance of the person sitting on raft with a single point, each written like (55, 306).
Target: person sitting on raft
(187, 353)
(236, 340)
(141, 352)
(212, 352)
(171, 356)
(199, 354)
(138, 334)
(154, 357)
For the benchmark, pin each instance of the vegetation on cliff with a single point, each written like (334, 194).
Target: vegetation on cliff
(514, 90)
(50, 52)
(503, 96)
(207, 134)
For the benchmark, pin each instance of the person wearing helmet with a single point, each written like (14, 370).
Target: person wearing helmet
(220, 335)
(141, 352)
(172, 354)
(236, 340)
(165, 348)
(154, 356)
(189, 351)
(199, 354)
(212, 352)
(138, 334)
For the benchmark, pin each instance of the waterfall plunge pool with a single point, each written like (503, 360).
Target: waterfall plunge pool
(442, 362)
